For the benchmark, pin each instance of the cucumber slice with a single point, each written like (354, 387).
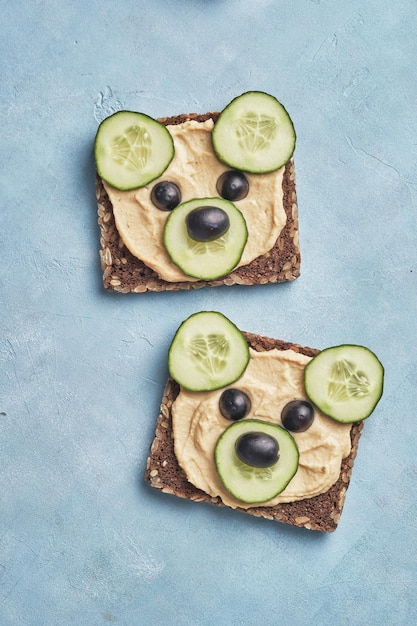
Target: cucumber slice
(254, 484)
(254, 133)
(206, 260)
(345, 382)
(132, 149)
(207, 352)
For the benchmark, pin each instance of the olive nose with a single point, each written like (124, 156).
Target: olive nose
(207, 223)
(257, 449)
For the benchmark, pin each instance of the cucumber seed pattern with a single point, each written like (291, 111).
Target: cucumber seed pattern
(255, 131)
(132, 149)
(204, 247)
(209, 352)
(346, 381)
(257, 473)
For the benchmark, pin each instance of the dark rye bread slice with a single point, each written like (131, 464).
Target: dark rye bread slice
(125, 273)
(321, 512)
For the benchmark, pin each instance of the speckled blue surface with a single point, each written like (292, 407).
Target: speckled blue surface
(82, 540)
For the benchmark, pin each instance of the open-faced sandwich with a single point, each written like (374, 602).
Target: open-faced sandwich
(260, 425)
(198, 200)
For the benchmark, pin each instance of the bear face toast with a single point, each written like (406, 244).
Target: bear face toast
(259, 444)
(148, 242)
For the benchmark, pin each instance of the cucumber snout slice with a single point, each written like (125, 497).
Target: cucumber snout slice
(132, 149)
(345, 382)
(208, 352)
(202, 257)
(249, 483)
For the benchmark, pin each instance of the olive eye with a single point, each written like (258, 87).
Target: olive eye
(166, 195)
(297, 415)
(232, 185)
(234, 404)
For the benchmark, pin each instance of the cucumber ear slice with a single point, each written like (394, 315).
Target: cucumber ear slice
(345, 382)
(254, 133)
(208, 352)
(132, 149)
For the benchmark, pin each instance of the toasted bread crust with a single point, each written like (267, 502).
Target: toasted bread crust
(125, 273)
(320, 513)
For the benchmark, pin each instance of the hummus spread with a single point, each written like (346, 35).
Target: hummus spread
(196, 169)
(272, 379)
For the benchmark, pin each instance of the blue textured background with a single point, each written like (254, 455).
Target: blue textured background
(82, 540)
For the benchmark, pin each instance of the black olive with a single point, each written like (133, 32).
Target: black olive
(207, 223)
(297, 415)
(233, 185)
(257, 449)
(234, 404)
(166, 195)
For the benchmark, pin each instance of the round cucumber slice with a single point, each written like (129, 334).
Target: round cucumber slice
(254, 484)
(254, 133)
(132, 149)
(207, 352)
(205, 260)
(345, 382)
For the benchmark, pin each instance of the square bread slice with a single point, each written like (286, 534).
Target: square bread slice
(320, 513)
(125, 273)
